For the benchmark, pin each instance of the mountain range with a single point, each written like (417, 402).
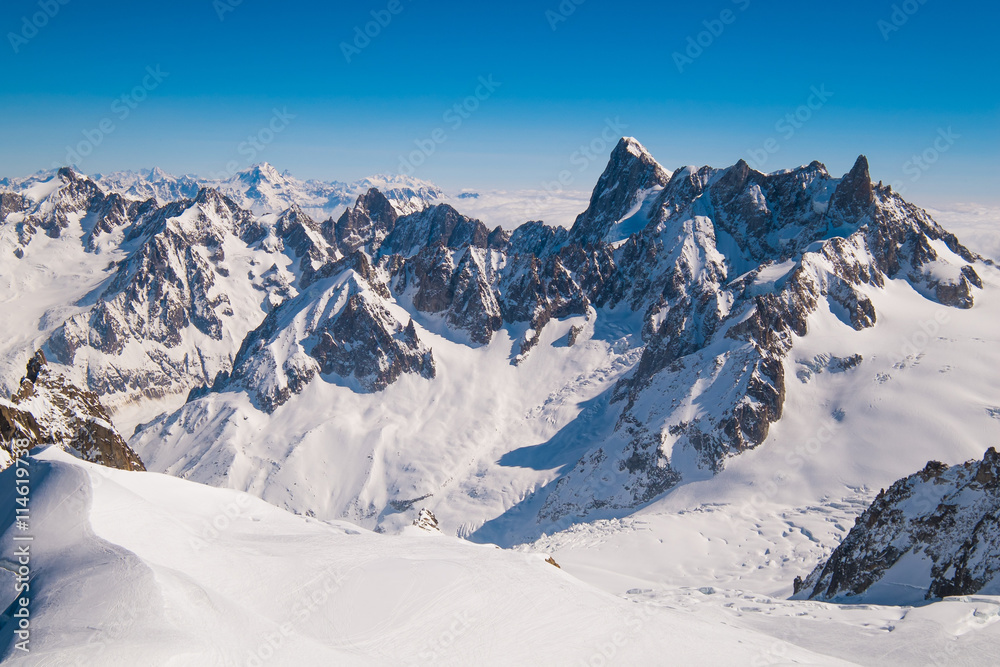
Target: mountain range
(706, 356)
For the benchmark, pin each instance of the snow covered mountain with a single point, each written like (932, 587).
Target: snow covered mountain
(712, 370)
(262, 189)
(47, 409)
(673, 308)
(150, 184)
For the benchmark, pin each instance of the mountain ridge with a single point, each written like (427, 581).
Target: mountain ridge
(681, 294)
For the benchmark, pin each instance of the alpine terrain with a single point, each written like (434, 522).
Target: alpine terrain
(360, 426)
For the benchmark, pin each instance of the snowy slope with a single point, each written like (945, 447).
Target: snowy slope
(145, 569)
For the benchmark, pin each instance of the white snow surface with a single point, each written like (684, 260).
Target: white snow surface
(144, 569)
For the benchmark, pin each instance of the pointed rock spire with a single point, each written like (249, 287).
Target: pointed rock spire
(631, 170)
(854, 194)
(735, 178)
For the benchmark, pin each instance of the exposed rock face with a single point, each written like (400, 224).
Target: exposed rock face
(178, 306)
(48, 409)
(338, 327)
(772, 216)
(678, 272)
(366, 342)
(630, 173)
(536, 238)
(163, 297)
(111, 214)
(854, 195)
(930, 535)
(463, 292)
(367, 224)
(436, 225)
(303, 238)
(73, 198)
(11, 202)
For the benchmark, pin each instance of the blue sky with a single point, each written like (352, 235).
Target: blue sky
(891, 90)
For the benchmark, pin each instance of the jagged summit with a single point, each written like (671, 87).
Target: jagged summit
(372, 218)
(632, 145)
(855, 193)
(631, 176)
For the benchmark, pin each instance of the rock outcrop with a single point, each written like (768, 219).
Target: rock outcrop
(427, 521)
(50, 410)
(931, 535)
(631, 174)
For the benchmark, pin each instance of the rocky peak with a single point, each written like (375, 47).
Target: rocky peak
(366, 343)
(536, 238)
(631, 172)
(48, 409)
(464, 291)
(301, 236)
(68, 174)
(11, 202)
(771, 216)
(209, 196)
(35, 365)
(854, 194)
(366, 225)
(735, 178)
(933, 534)
(338, 328)
(686, 184)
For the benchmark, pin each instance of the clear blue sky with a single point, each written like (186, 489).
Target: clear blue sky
(606, 60)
